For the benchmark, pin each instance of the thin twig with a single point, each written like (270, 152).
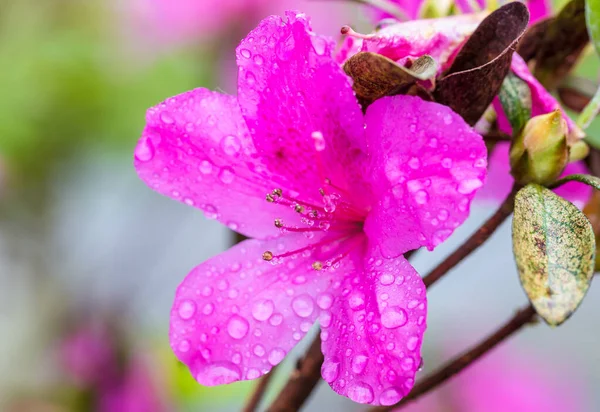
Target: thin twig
(261, 387)
(302, 381)
(522, 317)
(477, 239)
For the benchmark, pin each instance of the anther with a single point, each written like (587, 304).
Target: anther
(278, 223)
(321, 191)
(268, 255)
(277, 192)
(298, 208)
(270, 198)
(317, 265)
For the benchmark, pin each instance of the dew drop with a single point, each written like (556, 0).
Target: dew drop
(414, 163)
(263, 309)
(252, 374)
(468, 186)
(446, 163)
(259, 350)
(359, 363)
(231, 145)
(448, 119)
(303, 305)
(184, 346)
(386, 279)
(275, 356)
(245, 53)
(325, 319)
(421, 197)
(210, 212)
(258, 60)
(226, 175)
(412, 343)
(237, 327)
(186, 310)
(236, 358)
(166, 118)
(145, 151)
(394, 318)
(206, 167)
(390, 396)
(360, 392)
(356, 301)
(218, 373)
(276, 319)
(330, 370)
(208, 309)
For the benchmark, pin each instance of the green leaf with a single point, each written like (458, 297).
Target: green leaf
(376, 76)
(515, 97)
(592, 21)
(589, 180)
(554, 247)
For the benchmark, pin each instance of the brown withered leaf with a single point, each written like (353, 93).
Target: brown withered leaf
(376, 76)
(478, 71)
(563, 42)
(554, 247)
(576, 92)
(532, 39)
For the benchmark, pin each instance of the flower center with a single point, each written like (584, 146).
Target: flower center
(336, 223)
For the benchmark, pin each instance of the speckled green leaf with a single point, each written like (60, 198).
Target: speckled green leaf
(592, 21)
(589, 180)
(515, 97)
(554, 246)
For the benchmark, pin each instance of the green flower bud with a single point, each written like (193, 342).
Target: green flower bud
(540, 153)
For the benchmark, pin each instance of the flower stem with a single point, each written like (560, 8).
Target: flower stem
(589, 112)
(477, 239)
(302, 381)
(523, 317)
(259, 392)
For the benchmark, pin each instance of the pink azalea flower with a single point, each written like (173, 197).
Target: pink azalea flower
(538, 9)
(346, 195)
(412, 9)
(507, 380)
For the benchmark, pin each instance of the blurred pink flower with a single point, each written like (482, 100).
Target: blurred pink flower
(506, 380)
(346, 195)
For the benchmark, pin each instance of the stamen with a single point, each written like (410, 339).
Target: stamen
(278, 223)
(299, 208)
(347, 30)
(270, 198)
(317, 265)
(277, 192)
(268, 256)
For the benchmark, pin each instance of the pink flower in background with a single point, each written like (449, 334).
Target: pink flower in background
(411, 8)
(346, 195)
(538, 9)
(506, 380)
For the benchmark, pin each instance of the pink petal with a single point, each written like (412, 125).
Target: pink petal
(439, 38)
(427, 164)
(299, 105)
(196, 149)
(235, 316)
(466, 6)
(542, 101)
(539, 9)
(411, 8)
(373, 332)
(499, 181)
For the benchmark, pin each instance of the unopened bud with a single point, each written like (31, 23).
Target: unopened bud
(539, 153)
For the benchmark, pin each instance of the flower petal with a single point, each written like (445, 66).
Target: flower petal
(412, 9)
(499, 181)
(196, 149)
(538, 9)
(427, 165)
(298, 104)
(236, 316)
(440, 38)
(371, 336)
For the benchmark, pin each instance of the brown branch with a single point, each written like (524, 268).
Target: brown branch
(261, 387)
(477, 239)
(522, 317)
(302, 381)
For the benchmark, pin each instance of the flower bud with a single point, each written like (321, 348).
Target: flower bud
(540, 152)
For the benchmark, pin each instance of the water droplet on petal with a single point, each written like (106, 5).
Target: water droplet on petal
(208, 309)
(145, 151)
(390, 396)
(386, 279)
(187, 309)
(259, 350)
(166, 118)
(253, 374)
(412, 343)
(231, 145)
(448, 119)
(303, 306)
(184, 346)
(206, 167)
(414, 163)
(324, 300)
(421, 197)
(360, 392)
(330, 369)
(237, 327)
(394, 318)
(276, 356)
(218, 373)
(226, 175)
(468, 186)
(263, 309)
(210, 212)
(245, 53)
(276, 319)
(446, 163)
(359, 363)
(258, 60)
(356, 301)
